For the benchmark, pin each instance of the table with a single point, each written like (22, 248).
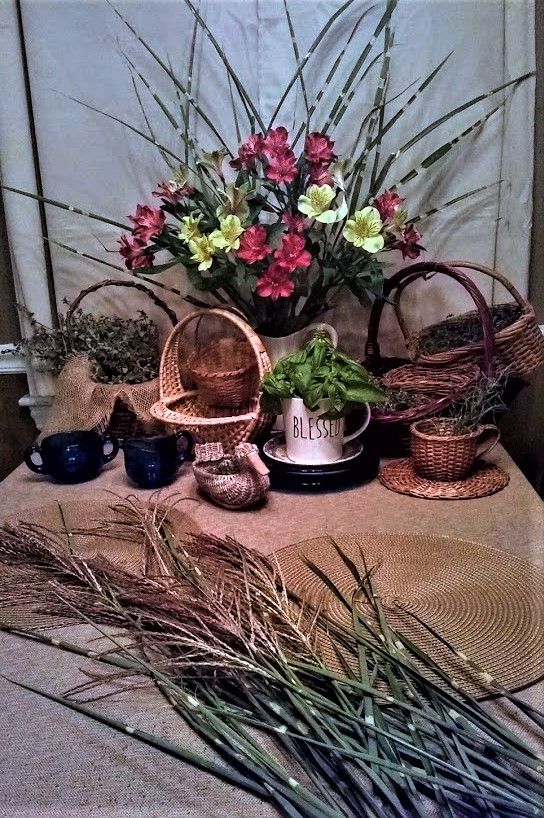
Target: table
(57, 764)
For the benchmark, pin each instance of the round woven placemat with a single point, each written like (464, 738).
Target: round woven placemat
(484, 602)
(487, 478)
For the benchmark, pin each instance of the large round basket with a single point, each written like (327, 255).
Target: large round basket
(519, 343)
(81, 402)
(181, 405)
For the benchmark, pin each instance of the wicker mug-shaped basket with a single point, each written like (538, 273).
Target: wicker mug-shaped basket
(208, 423)
(438, 453)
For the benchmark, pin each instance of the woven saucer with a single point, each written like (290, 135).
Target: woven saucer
(487, 478)
(483, 601)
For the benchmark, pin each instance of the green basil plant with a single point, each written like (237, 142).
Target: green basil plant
(323, 377)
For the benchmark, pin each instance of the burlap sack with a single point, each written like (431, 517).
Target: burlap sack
(81, 403)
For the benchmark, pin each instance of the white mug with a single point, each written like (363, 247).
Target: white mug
(312, 440)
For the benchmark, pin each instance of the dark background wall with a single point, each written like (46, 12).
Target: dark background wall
(17, 430)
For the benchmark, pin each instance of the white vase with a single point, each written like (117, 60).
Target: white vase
(285, 344)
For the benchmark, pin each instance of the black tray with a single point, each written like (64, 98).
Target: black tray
(325, 477)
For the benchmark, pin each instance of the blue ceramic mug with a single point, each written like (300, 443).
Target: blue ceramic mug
(153, 461)
(71, 457)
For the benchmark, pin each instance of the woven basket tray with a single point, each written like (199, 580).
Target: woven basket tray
(180, 406)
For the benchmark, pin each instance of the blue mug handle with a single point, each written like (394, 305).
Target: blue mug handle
(107, 440)
(186, 454)
(37, 467)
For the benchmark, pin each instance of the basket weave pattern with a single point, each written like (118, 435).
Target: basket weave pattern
(439, 383)
(519, 347)
(82, 403)
(440, 455)
(182, 406)
(225, 372)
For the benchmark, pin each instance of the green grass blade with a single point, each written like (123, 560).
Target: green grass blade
(64, 206)
(251, 110)
(338, 13)
(339, 103)
(297, 59)
(127, 125)
(175, 80)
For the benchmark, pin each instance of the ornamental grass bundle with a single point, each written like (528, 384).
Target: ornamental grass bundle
(237, 656)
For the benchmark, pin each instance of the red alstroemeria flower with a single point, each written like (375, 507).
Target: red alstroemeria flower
(292, 254)
(133, 250)
(249, 152)
(276, 141)
(253, 246)
(318, 174)
(172, 192)
(282, 167)
(318, 149)
(148, 222)
(409, 243)
(296, 223)
(275, 283)
(386, 204)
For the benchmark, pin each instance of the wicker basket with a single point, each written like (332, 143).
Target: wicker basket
(519, 347)
(438, 385)
(180, 406)
(124, 422)
(242, 487)
(225, 372)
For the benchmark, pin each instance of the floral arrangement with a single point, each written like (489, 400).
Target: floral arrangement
(279, 226)
(278, 240)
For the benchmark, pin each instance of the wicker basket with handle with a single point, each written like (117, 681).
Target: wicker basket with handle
(440, 383)
(182, 406)
(124, 421)
(519, 346)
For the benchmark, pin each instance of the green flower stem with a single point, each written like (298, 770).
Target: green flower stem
(165, 746)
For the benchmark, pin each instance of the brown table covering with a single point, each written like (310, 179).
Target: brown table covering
(56, 763)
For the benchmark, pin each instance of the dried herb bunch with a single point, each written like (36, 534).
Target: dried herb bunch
(482, 402)
(123, 350)
(217, 630)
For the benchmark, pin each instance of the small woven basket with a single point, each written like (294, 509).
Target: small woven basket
(225, 372)
(123, 422)
(519, 347)
(182, 406)
(241, 486)
(435, 386)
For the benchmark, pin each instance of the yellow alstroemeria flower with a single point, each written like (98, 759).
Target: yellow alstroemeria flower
(227, 238)
(189, 228)
(203, 250)
(315, 203)
(364, 230)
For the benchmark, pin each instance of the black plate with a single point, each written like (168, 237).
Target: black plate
(327, 476)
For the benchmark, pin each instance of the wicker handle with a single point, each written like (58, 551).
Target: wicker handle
(110, 282)
(485, 446)
(426, 269)
(481, 268)
(171, 385)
